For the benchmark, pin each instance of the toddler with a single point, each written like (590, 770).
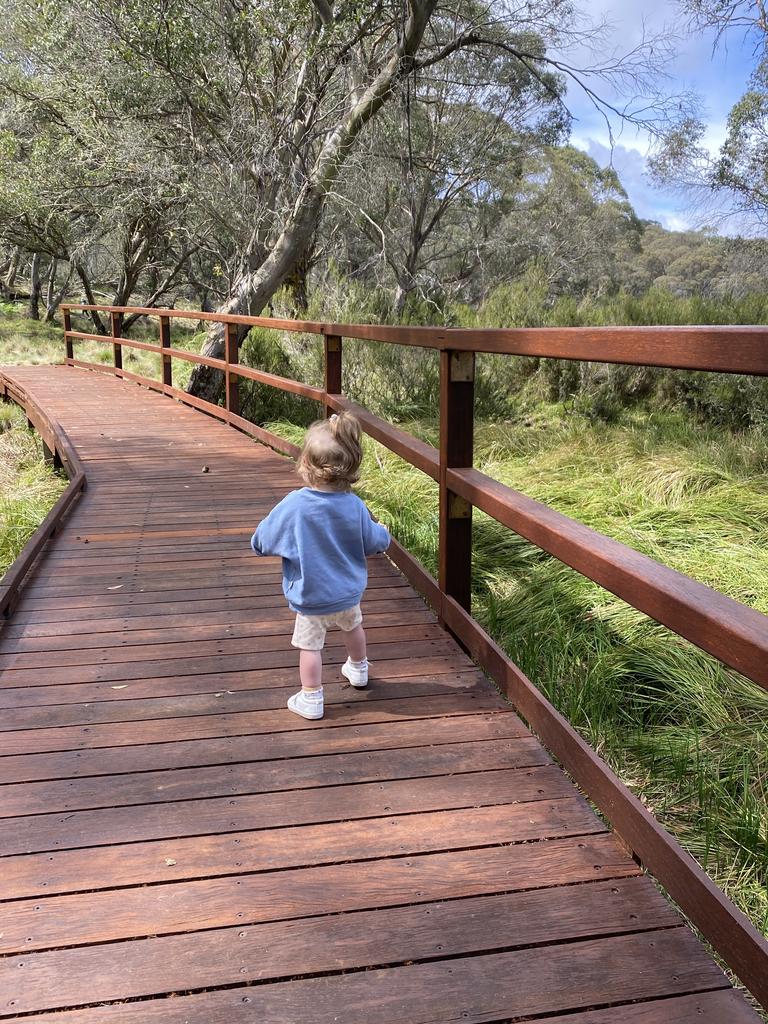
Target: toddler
(323, 533)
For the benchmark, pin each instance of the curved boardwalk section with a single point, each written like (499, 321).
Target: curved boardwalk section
(178, 847)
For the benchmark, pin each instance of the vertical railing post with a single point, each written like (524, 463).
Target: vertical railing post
(68, 349)
(457, 399)
(165, 342)
(232, 356)
(332, 368)
(117, 332)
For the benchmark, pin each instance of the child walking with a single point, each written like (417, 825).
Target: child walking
(323, 533)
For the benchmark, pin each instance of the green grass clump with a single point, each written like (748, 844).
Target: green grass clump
(687, 734)
(28, 487)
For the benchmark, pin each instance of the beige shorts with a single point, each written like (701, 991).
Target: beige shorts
(309, 631)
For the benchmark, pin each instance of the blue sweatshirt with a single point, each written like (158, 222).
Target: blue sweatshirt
(323, 538)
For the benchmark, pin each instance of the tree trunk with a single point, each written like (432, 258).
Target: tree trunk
(297, 282)
(13, 268)
(33, 311)
(55, 300)
(253, 289)
(98, 323)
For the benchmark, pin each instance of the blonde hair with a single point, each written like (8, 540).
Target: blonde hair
(332, 453)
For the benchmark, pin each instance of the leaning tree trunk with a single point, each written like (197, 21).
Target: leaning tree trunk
(253, 289)
(98, 323)
(54, 300)
(12, 270)
(33, 311)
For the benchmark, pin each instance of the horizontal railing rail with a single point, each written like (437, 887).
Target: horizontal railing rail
(732, 632)
(61, 453)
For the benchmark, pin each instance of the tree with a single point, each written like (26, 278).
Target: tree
(740, 171)
(430, 164)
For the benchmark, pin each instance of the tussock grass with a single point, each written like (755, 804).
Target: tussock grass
(28, 487)
(687, 734)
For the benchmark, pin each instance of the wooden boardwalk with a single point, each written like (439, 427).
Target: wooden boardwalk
(178, 847)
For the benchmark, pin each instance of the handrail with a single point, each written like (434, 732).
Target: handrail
(734, 633)
(682, 348)
(58, 445)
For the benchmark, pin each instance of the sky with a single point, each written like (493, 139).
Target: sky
(718, 76)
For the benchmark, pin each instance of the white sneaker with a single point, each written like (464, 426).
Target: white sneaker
(307, 704)
(356, 672)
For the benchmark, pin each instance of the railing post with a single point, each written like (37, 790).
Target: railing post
(165, 342)
(457, 400)
(332, 367)
(232, 356)
(68, 348)
(117, 332)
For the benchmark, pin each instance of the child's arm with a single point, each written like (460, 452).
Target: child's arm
(376, 538)
(272, 536)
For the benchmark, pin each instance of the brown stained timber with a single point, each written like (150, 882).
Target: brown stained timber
(722, 349)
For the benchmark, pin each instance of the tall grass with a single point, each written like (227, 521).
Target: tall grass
(28, 487)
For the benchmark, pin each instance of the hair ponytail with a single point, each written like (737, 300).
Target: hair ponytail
(332, 452)
(345, 428)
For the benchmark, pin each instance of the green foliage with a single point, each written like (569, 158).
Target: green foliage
(28, 487)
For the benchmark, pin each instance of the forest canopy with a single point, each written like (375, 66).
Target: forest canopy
(225, 154)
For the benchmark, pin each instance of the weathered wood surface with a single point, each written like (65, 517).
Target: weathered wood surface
(169, 829)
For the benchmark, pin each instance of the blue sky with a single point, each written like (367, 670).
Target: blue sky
(718, 77)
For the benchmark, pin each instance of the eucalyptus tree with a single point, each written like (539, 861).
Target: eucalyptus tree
(739, 171)
(433, 160)
(228, 124)
(572, 218)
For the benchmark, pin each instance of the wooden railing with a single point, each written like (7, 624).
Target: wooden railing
(731, 631)
(60, 453)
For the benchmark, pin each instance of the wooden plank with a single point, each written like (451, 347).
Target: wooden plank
(128, 864)
(252, 723)
(234, 595)
(76, 829)
(235, 642)
(719, 1007)
(224, 661)
(391, 734)
(231, 956)
(304, 773)
(418, 674)
(292, 894)
(163, 619)
(486, 988)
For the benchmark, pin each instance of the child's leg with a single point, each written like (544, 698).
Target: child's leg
(309, 637)
(311, 669)
(355, 643)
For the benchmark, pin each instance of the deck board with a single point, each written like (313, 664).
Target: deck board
(178, 847)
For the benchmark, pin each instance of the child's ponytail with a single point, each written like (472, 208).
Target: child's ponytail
(345, 428)
(332, 452)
